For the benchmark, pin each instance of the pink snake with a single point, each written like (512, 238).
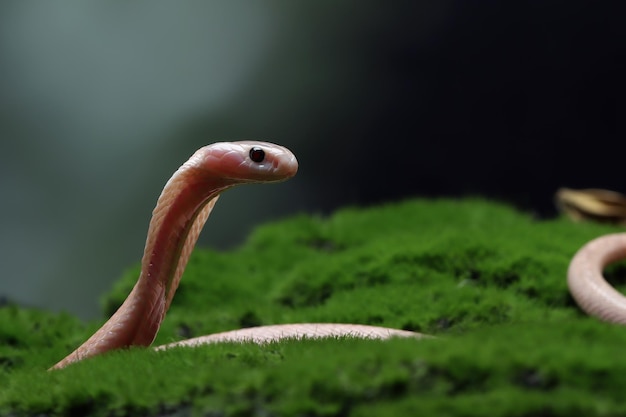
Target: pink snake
(184, 206)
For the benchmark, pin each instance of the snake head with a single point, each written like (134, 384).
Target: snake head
(246, 161)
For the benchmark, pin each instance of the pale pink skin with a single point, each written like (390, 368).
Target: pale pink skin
(587, 284)
(181, 211)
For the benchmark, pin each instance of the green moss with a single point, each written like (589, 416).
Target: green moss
(485, 279)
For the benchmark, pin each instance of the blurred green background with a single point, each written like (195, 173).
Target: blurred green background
(101, 101)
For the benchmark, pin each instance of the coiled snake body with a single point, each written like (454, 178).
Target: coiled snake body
(184, 206)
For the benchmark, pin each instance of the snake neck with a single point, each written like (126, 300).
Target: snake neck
(181, 211)
(177, 220)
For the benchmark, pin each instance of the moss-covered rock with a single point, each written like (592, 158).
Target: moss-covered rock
(488, 281)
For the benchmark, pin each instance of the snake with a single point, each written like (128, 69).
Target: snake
(586, 283)
(184, 206)
(177, 219)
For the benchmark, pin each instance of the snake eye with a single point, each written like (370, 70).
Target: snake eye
(257, 154)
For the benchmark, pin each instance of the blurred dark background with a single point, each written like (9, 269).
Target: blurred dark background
(101, 102)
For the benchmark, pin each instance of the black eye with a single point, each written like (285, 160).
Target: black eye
(257, 154)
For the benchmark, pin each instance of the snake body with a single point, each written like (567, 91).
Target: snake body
(184, 206)
(587, 284)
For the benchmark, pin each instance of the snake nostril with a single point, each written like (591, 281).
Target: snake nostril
(257, 154)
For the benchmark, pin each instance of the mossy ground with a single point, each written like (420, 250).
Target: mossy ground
(488, 281)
